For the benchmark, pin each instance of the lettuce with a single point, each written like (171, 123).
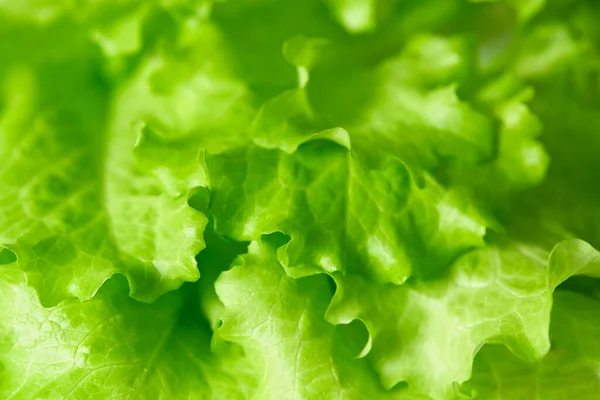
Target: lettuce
(320, 199)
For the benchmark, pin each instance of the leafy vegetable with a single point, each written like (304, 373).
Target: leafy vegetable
(317, 199)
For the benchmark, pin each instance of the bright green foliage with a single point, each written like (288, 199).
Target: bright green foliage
(299, 199)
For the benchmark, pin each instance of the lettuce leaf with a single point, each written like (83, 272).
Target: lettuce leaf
(67, 208)
(112, 346)
(279, 321)
(567, 370)
(339, 216)
(316, 199)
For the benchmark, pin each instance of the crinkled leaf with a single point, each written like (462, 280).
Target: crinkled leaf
(408, 106)
(340, 216)
(428, 334)
(177, 117)
(279, 321)
(75, 208)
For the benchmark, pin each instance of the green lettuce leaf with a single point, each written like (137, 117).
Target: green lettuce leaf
(74, 208)
(408, 105)
(279, 321)
(340, 216)
(175, 119)
(570, 369)
(416, 115)
(403, 172)
(427, 334)
(112, 347)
